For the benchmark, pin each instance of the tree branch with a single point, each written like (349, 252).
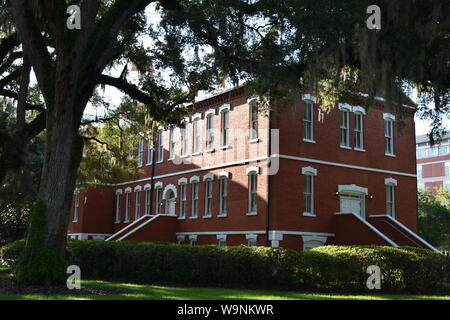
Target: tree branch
(11, 58)
(28, 106)
(34, 44)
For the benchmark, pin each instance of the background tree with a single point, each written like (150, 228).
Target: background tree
(320, 46)
(434, 217)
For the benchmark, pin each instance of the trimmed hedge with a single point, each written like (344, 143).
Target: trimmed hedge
(328, 267)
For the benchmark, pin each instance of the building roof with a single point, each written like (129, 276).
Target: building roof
(423, 138)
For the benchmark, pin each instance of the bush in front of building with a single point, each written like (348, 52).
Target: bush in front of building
(402, 268)
(329, 267)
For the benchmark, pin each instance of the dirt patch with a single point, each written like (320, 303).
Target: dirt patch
(9, 286)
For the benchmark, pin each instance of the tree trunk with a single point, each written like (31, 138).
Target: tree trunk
(43, 260)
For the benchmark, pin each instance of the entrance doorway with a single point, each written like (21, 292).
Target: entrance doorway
(353, 203)
(170, 203)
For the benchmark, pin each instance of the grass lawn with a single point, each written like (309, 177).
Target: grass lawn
(137, 291)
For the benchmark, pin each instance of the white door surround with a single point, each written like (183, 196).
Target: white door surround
(352, 199)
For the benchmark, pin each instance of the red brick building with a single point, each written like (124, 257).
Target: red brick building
(294, 177)
(433, 163)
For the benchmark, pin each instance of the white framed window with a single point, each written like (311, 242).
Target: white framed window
(447, 184)
(359, 131)
(127, 206)
(150, 151)
(389, 133)
(118, 205)
(308, 123)
(140, 158)
(252, 193)
(254, 115)
(182, 201)
(390, 199)
(447, 169)
(223, 181)
(147, 201)
(443, 150)
(309, 174)
(432, 152)
(137, 207)
(345, 128)
(209, 131)
(225, 127)
(195, 187)
(208, 197)
(251, 240)
(160, 146)
(197, 135)
(159, 202)
(419, 172)
(172, 143)
(222, 242)
(184, 138)
(308, 194)
(76, 205)
(391, 185)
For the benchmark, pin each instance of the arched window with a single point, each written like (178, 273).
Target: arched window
(391, 184)
(308, 190)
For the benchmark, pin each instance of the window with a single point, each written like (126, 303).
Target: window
(225, 128)
(252, 186)
(390, 199)
(137, 208)
(76, 205)
(308, 194)
(447, 169)
(184, 139)
(359, 131)
(147, 201)
(159, 202)
(197, 132)
(447, 184)
(422, 153)
(432, 152)
(160, 146)
(345, 130)
(150, 152)
(172, 143)
(419, 172)
(443, 150)
(140, 159)
(208, 198)
(223, 181)
(194, 213)
(388, 136)
(251, 242)
(182, 201)
(308, 133)
(222, 242)
(254, 121)
(209, 131)
(127, 207)
(118, 207)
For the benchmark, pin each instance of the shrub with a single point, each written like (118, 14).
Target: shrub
(328, 267)
(10, 253)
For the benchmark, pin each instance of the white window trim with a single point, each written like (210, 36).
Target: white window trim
(312, 120)
(223, 173)
(359, 109)
(76, 205)
(136, 202)
(158, 184)
(353, 188)
(309, 170)
(194, 179)
(119, 192)
(208, 176)
(172, 188)
(209, 112)
(137, 188)
(388, 116)
(362, 114)
(147, 186)
(309, 97)
(253, 169)
(225, 106)
(182, 181)
(390, 181)
(345, 106)
(172, 143)
(160, 132)
(182, 184)
(390, 120)
(127, 205)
